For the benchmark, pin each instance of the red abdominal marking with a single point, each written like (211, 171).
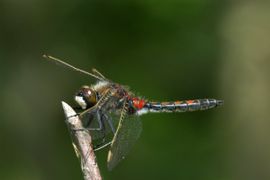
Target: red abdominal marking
(138, 103)
(190, 101)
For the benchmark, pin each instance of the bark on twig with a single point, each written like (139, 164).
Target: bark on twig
(82, 143)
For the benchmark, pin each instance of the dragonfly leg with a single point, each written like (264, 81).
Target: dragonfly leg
(77, 114)
(109, 119)
(101, 146)
(101, 126)
(100, 118)
(76, 107)
(103, 143)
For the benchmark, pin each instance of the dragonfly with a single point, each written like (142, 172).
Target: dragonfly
(112, 110)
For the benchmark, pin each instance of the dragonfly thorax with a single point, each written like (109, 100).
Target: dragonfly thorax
(86, 97)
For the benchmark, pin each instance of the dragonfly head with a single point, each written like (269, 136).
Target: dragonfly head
(86, 97)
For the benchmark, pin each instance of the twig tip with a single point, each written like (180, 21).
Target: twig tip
(69, 111)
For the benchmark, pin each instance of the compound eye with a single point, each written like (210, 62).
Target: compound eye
(88, 92)
(88, 95)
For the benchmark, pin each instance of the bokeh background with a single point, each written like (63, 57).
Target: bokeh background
(164, 50)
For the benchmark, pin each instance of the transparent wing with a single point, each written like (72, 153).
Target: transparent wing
(128, 131)
(97, 130)
(104, 127)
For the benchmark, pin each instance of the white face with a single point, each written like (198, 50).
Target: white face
(81, 101)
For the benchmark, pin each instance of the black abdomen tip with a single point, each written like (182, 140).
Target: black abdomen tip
(220, 102)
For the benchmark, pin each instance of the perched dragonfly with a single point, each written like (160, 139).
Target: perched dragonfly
(112, 110)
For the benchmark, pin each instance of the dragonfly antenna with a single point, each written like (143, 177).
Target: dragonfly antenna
(70, 66)
(97, 72)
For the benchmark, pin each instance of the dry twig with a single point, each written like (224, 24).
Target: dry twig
(82, 143)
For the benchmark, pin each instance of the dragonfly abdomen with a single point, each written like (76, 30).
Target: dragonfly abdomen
(181, 106)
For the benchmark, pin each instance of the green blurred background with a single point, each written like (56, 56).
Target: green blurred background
(163, 50)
